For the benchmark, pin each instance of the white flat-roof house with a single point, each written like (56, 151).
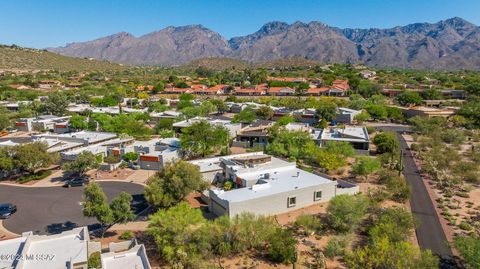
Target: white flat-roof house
(232, 128)
(132, 258)
(71, 144)
(153, 154)
(346, 115)
(65, 250)
(357, 136)
(42, 122)
(68, 250)
(267, 185)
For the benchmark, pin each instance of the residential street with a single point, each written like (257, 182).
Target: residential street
(54, 209)
(429, 232)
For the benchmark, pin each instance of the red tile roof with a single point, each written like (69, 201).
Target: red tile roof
(280, 90)
(317, 90)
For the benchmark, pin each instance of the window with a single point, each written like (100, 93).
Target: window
(317, 195)
(291, 201)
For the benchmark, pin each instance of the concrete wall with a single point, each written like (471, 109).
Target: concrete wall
(344, 118)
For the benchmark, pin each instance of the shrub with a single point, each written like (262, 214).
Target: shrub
(365, 165)
(36, 176)
(126, 235)
(344, 212)
(414, 147)
(465, 226)
(228, 185)
(335, 247)
(282, 247)
(370, 129)
(130, 156)
(309, 223)
(94, 260)
(469, 249)
(111, 159)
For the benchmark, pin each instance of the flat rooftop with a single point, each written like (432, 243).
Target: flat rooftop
(134, 258)
(11, 247)
(67, 246)
(282, 177)
(348, 134)
(87, 136)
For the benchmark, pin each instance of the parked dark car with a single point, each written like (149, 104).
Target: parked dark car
(7, 210)
(77, 181)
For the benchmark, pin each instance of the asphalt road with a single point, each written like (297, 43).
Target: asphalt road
(55, 209)
(429, 232)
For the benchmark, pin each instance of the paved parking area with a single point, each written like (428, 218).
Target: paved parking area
(54, 209)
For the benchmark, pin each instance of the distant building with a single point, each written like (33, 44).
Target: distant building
(281, 91)
(346, 115)
(253, 135)
(367, 74)
(153, 154)
(43, 122)
(232, 128)
(428, 112)
(357, 136)
(266, 185)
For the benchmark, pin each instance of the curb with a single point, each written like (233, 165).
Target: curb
(7, 232)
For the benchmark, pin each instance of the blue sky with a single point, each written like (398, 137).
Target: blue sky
(41, 24)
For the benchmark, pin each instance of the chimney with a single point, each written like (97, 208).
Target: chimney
(298, 174)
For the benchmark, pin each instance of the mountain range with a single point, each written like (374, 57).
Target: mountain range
(449, 44)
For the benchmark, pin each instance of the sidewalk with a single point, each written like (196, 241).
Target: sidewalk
(6, 234)
(132, 226)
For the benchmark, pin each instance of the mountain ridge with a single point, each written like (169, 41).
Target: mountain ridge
(448, 44)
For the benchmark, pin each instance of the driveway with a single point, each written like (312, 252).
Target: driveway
(429, 232)
(47, 210)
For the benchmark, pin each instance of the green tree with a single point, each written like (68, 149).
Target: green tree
(344, 212)
(471, 110)
(78, 122)
(201, 138)
(130, 156)
(327, 110)
(264, 113)
(395, 113)
(84, 162)
(220, 105)
(4, 121)
(245, 116)
(409, 98)
(386, 142)
(164, 124)
(32, 156)
(469, 249)
(95, 204)
(377, 112)
(159, 87)
(362, 117)
(56, 104)
(172, 230)
(328, 160)
(431, 94)
(171, 185)
(291, 144)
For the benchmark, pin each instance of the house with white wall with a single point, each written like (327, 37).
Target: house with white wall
(267, 185)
